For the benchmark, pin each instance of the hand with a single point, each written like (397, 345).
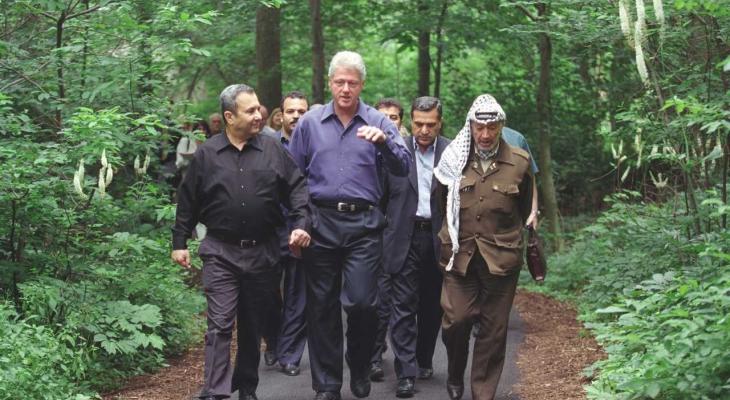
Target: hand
(532, 219)
(182, 257)
(371, 134)
(298, 239)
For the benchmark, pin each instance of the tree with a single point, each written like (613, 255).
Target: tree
(268, 56)
(318, 71)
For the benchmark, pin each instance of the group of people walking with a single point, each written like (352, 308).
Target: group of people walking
(407, 235)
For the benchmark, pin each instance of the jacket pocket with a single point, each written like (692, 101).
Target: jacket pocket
(467, 192)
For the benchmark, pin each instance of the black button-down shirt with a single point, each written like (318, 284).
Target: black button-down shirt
(237, 193)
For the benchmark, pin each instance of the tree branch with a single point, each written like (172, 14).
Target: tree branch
(527, 12)
(92, 9)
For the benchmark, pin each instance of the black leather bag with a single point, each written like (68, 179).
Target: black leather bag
(535, 256)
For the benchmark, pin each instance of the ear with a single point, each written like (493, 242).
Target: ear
(228, 117)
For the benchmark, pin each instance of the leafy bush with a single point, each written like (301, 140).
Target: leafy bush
(656, 299)
(37, 363)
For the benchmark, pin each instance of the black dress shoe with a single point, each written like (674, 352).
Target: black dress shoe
(406, 388)
(376, 372)
(270, 357)
(248, 396)
(360, 386)
(455, 391)
(425, 373)
(327, 396)
(290, 369)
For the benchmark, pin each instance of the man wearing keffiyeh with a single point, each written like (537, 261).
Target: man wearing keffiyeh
(488, 201)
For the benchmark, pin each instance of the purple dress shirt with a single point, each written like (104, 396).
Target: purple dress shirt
(339, 165)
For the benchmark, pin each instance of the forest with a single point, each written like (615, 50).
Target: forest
(625, 103)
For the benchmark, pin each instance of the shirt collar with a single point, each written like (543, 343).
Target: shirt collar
(329, 110)
(222, 142)
(432, 147)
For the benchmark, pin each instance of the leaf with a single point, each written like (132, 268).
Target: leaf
(653, 390)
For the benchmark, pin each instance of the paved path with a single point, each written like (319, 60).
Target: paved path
(275, 386)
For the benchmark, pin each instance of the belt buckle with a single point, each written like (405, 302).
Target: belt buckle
(344, 207)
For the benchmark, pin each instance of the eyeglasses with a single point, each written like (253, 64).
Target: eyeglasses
(341, 83)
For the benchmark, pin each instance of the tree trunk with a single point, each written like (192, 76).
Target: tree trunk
(315, 12)
(268, 56)
(439, 49)
(59, 69)
(544, 114)
(424, 58)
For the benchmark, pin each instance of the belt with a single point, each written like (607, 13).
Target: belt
(235, 241)
(344, 206)
(422, 224)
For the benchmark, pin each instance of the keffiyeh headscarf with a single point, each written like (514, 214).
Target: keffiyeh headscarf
(453, 160)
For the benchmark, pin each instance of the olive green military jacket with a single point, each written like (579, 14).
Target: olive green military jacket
(494, 207)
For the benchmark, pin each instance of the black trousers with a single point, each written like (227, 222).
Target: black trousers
(429, 303)
(342, 265)
(409, 306)
(293, 334)
(233, 289)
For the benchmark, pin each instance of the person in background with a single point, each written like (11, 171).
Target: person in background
(488, 201)
(516, 139)
(235, 185)
(393, 110)
(187, 145)
(275, 120)
(292, 335)
(266, 129)
(345, 149)
(410, 275)
(215, 121)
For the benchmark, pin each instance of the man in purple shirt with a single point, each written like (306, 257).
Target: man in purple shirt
(345, 149)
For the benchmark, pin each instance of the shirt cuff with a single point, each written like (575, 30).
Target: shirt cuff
(179, 242)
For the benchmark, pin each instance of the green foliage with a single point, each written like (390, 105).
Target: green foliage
(37, 363)
(656, 300)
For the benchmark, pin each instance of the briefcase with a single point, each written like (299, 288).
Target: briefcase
(535, 256)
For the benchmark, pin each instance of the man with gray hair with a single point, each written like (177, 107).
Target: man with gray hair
(488, 202)
(345, 149)
(235, 184)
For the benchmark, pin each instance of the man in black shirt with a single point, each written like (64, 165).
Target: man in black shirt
(235, 185)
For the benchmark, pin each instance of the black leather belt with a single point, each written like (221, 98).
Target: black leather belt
(235, 241)
(344, 206)
(423, 224)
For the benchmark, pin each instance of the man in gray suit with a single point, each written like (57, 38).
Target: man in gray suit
(410, 269)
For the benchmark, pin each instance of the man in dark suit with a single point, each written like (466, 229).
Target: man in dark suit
(410, 243)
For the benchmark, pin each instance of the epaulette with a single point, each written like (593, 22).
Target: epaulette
(520, 152)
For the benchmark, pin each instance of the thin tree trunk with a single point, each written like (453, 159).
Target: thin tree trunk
(268, 56)
(85, 53)
(424, 58)
(59, 68)
(315, 12)
(439, 49)
(544, 113)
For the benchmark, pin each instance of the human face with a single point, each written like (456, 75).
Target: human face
(293, 109)
(425, 126)
(216, 122)
(393, 113)
(246, 121)
(346, 85)
(486, 136)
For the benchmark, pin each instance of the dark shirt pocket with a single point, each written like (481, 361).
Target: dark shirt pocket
(467, 192)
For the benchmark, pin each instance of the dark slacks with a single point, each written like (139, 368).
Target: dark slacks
(229, 283)
(383, 311)
(487, 297)
(342, 265)
(429, 305)
(293, 333)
